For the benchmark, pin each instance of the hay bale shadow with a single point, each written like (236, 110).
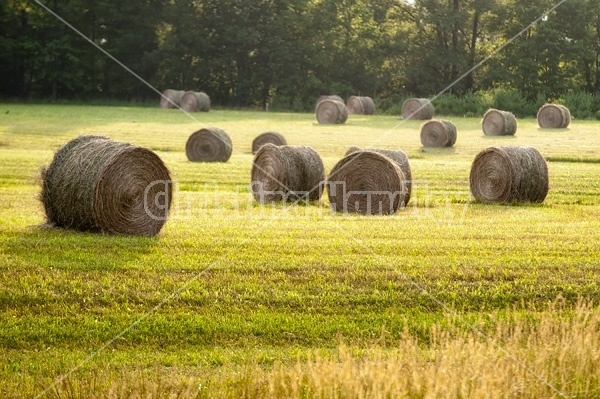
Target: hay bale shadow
(438, 150)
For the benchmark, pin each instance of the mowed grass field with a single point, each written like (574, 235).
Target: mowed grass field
(447, 298)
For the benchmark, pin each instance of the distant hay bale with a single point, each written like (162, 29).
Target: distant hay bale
(553, 116)
(400, 158)
(195, 102)
(360, 105)
(417, 109)
(171, 98)
(366, 182)
(101, 185)
(267, 137)
(209, 144)
(331, 112)
(509, 174)
(499, 123)
(287, 173)
(438, 133)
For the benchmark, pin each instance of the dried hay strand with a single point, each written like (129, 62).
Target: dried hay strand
(209, 144)
(499, 123)
(195, 102)
(509, 174)
(400, 158)
(287, 173)
(417, 109)
(97, 184)
(331, 112)
(170, 98)
(360, 105)
(366, 182)
(267, 137)
(553, 116)
(438, 133)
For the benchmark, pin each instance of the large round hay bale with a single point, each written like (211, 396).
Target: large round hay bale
(331, 112)
(499, 123)
(209, 144)
(400, 158)
(195, 102)
(366, 182)
(438, 133)
(417, 109)
(553, 116)
(287, 173)
(101, 185)
(171, 98)
(360, 105)
(267, 137)
(509, 174)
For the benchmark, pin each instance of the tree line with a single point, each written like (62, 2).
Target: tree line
(246, 53)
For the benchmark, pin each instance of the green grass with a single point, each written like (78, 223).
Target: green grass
(261, 285)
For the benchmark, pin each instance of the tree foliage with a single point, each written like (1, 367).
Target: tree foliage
(246, 53)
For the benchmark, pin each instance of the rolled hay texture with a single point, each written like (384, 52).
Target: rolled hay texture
(195, 102)
(331, 112)
(438, 133)
(366, 182)
(287, 173)
(553, 116)
(417, 109)
(332, 97)
(400, 158)
(509, 174)
(209, 144)
(360, 105)
(499, 123)
(267, 137)
(173, 95)
(97, 184)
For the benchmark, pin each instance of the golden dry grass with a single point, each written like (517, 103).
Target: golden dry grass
(555, 356)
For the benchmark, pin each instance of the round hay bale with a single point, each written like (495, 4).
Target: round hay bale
(400, 158)
(366, 182)
(438, 133)
(331, 112)
(287, 173)
(332, 97)
(171, 98)
(553, 116)
(499, 123)
(360, 105)
(509, 174)
(267, 137)
(97, 184)
(417, 109)
(209, 144)
(195, 102)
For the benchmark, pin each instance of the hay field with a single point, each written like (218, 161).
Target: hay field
(447, 298)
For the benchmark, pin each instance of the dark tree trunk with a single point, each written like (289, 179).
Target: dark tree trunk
(455, 27)
(54, 90)
(470, 81)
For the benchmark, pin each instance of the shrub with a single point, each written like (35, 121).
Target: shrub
(470, 104)
(284, 103)
(513, 101)
(580, 104)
